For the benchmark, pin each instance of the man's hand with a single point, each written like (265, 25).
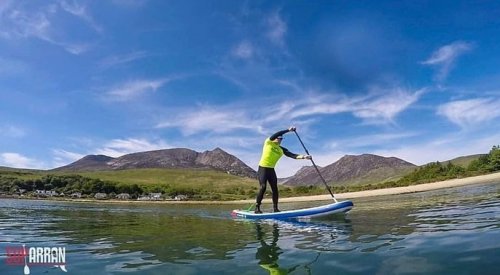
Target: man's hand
(292, 129)
(304, 157)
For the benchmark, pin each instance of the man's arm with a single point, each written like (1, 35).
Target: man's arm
(289, 154)
(294, 156)
(277, 134)
(282, 132)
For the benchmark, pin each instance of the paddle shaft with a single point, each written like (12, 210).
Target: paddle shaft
(316, 167)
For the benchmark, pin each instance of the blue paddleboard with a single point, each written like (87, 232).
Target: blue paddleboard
(318, 211)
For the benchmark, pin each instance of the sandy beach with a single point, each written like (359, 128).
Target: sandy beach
(484, 179)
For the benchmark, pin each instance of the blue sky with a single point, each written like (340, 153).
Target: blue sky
(418, 80)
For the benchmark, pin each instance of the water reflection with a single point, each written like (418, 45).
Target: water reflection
(298, 236)
(268, 254)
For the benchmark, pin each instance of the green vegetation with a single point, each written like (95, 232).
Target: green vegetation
(477, 165)
(464, 161)
(195, 184)
(202, 184)
(379, 175)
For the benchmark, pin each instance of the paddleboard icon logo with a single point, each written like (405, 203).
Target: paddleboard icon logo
(36, 256)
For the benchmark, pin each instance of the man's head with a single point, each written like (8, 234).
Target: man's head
(278, 139)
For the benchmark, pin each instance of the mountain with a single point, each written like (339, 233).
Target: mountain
(88, 163)
(366, 168)
(305, 170)
(464, 161)
(221, 160)
(216, 159)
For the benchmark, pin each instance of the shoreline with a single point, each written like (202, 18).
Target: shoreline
(483, 179)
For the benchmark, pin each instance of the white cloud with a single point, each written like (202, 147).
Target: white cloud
(280, 111)
(133, 89)
(134, 4)
(16, 160)
(277, 29)
(445, 57)
(384, 108)
(211, 119)
(442, 149)
(470, 112)
(380, 107)
(122, 59)
(120, 147)
(18, 23)
(80, 11)
(370, 140)
(243, 50)
(12, 131)
(63, 157)
(74, 48)
(311, 107)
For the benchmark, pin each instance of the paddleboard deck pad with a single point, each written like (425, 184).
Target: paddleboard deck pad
(305, 213)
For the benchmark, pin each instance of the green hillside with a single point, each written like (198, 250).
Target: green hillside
(195, 183)
(377, 176)
(465, 160)
(205, 183)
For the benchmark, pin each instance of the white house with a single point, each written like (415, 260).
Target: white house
(123, 196)
(45, 193)
(100, 196)
(180, 197)
(155, 196)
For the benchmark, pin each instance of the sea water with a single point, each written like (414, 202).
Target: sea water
(448, 231)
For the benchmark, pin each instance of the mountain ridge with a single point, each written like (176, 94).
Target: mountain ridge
(352, 169)
(216, 159)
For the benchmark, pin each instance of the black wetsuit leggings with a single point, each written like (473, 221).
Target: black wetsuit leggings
(265, 175)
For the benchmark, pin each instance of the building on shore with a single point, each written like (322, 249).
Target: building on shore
(123, 196)
(100, 196)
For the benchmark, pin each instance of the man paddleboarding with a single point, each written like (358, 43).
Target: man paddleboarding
(272, 151)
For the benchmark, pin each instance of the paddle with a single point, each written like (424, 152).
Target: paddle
(316, 167)
(26, 267)
(250, 208)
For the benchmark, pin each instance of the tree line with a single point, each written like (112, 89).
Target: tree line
(438, 171)
(69, 184)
